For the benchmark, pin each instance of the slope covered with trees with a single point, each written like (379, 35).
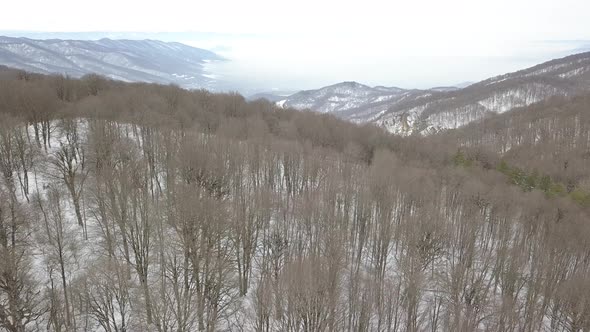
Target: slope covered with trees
(127, 60)
(549, 139)
(407, 112)
(137, 207)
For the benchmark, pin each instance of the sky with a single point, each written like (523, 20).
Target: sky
(304, 44)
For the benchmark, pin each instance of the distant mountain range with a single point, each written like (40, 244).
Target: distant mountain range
(125, 60)
(342, 97)
(406, 112)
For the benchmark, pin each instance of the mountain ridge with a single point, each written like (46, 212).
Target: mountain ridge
(341, 97)
(122, 59)
(406, 112)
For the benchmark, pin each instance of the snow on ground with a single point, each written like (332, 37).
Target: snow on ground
(281, 103)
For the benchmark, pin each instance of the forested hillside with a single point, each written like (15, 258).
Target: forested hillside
(550, 138)
(141, 207)
(434, 112)
(122, 59)
(407, 112)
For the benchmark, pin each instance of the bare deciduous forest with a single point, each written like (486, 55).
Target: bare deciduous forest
(139, 207)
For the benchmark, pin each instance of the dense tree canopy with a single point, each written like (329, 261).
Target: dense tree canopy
(139, 207)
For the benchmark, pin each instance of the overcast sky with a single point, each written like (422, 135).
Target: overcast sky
(310, 43)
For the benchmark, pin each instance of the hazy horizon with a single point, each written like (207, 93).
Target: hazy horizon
(307, 45)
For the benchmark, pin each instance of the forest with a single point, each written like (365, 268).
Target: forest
(143, 207)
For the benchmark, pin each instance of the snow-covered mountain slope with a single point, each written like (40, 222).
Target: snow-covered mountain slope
(405, 112)
(342, 97)
(453, 109)
(126, 60)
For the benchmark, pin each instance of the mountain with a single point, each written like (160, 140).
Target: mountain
(437, 111)
(405, 112)
(342, 97)
(126, 60)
